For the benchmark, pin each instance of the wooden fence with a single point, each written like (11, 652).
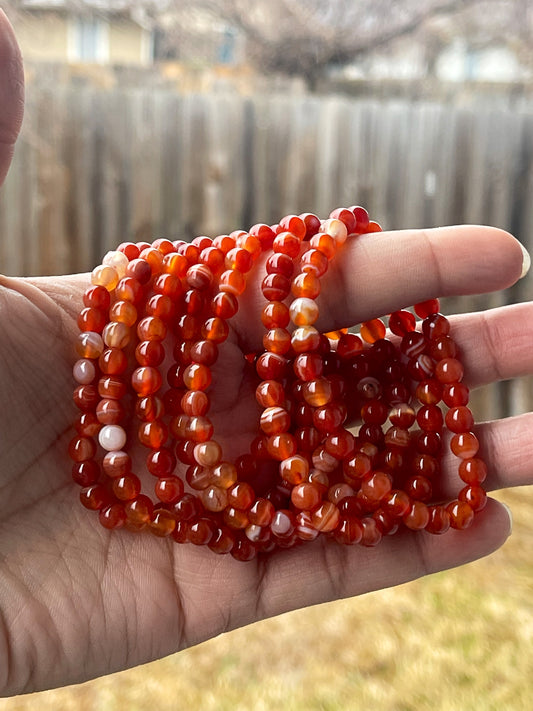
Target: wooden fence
(94, 167)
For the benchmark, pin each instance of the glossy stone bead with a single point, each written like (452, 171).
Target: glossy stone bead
(435, 326)
(426, 308)
(204, 352)
(317, 392)
(356, 467)
(197, 377)
(224, 475)
(90, 344)
(397, 503)
(473, 471)
(376, 486)
(305, 339)
(95, 497)
(274, 420)
(270, 393)
(123, 312)
(153, 434)
(112, 516)
(161, 462)
(208, 454)
(85, 473)
(474, 496)
(340, 444)
(162, 523)
(97, 297)
(112, 437)
(429, 418)
(280, 446)
(324, 243)
(222, 541)
(329, 418)
(294, 224)
(464, 445)
(373, 330)
(232, 282)
(419, 488)
(146, 380)
(275, 287)
(287, 243)
(455, 394)
(283, 524)
(116, 335)
(224, 305)
(113, 361)
(169, 489)
(425, 465)
(116, 463)
(372, 535)
(305, 496)
(130, 290)
(449, 370)
(271, 366)
(349, 345)
(402, 322)
(306, 285)
(106, 276)
(439, 520)
(277, 340)
(126, 487)
(461, 514)
(459, 419)
(275, 315)
(235, 518)
(110, 412)
(429, 392)
(443, 347)
(139, 510)
(313, 260)
(84, 371)
(200, 429)
(91, 319)
(215, 329)
(417, 517)
(294, 470)
(397, 437)
(81, 449)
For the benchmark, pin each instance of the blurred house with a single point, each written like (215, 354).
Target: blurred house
(55, 31)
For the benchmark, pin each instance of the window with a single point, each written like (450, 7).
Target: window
(89, 40)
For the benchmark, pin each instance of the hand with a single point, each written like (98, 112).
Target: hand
(78, 601)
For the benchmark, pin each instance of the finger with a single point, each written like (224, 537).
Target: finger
(382, 272)
(318, 572)
(495, 344)
(11, 93)
(378, 273)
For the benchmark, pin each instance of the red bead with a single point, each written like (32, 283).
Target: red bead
(402, 322)
(461, 514)
(426, 308)
(459, 419)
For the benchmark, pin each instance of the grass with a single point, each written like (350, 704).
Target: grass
(456, 641)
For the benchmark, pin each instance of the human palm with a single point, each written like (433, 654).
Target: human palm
(78, 601)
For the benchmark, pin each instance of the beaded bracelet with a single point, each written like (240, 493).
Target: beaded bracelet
(350, 427)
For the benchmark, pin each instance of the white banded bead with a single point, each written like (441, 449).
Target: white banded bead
(118, 261)
(84, 371)
(112, 437)
(303, 311)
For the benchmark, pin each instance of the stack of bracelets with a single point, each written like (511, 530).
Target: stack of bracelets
(350, 427)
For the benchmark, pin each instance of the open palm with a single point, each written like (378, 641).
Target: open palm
(77, 601)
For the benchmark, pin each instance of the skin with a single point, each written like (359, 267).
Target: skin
(77, 601)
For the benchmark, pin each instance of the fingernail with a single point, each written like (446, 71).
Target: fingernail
(509, 513)
(526, 261)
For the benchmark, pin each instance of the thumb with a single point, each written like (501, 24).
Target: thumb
(11, 93)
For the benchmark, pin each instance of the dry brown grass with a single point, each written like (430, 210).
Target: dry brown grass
(456, 641)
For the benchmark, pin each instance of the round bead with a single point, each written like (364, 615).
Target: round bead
(112, 437)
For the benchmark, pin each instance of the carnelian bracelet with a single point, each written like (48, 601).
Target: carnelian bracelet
(350, 428)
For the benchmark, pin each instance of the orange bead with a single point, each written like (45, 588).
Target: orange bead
(197, 377)
(275, 315)
(146, 380)
(307, 285)
(305, 496)
(275, 420)
(372, 331)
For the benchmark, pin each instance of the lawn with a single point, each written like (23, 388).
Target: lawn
(456, 641)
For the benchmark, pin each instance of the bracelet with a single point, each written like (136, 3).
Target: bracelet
(350, 427)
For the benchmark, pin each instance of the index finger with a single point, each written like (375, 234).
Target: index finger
(381, 272)
(11, 93)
